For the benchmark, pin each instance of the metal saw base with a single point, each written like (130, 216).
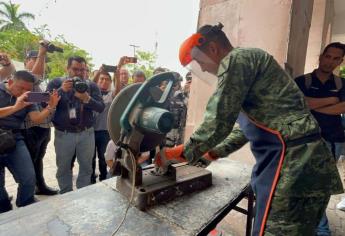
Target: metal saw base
(183, 179)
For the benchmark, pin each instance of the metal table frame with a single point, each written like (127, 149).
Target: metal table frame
(247, 192)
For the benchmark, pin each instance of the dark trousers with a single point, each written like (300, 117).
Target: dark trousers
(101, 140)
(37, 139)
(19, 164)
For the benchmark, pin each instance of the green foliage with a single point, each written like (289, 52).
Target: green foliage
(11, 19)
(16, 40)
(57, 61)
(146, 63)
(342, 71)
(17, 43)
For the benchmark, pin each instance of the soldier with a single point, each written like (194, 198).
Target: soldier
(295, 173)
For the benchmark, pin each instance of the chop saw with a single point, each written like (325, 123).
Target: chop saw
(137, 123)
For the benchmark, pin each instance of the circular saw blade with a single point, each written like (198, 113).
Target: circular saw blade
(117, 108)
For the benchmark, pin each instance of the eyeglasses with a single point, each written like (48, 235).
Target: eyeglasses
(78, 70)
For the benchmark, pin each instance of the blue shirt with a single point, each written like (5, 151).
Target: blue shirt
(84, 112)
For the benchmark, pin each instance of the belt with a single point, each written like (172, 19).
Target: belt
(74, 130)
(303, 140)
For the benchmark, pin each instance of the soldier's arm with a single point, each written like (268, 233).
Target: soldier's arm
(223, 107)
(232, 143)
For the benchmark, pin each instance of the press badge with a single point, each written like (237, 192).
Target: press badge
(72, 113)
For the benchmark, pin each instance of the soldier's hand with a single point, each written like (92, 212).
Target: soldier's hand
(168, 156)
(206, 159)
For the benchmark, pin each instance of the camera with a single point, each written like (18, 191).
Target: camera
(109, 68)
(80, 85)
(50, 47)
(131, 60)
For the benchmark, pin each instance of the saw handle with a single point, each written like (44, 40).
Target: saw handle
(143, 96)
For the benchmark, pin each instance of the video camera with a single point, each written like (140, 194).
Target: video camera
(50, 47)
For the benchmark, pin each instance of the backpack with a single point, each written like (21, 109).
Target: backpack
(308, 81)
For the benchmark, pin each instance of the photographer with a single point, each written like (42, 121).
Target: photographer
(7, 68)
(121, 74)
(37, 136)
(103, 80)
(73, 121)
(14, 154)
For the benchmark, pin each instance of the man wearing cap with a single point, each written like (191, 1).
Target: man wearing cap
(37, 136)
(295, 173)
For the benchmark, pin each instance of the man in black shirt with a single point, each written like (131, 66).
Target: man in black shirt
(73, 122)
(325, 95)
(13, 110)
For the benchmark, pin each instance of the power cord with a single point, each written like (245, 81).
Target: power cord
(134, 165)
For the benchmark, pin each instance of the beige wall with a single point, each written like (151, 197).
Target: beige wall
(320, 32)
(264, 24)
(300, 21)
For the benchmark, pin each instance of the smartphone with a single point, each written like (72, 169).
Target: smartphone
(109, 68)
(131, 60)
(37, 97)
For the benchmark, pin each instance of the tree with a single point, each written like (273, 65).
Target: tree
(342, 71)
(11, 18)
(17, 43)
(146, 63)
(57, 62)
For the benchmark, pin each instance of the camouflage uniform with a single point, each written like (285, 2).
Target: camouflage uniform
(294, 173)
(178, 106)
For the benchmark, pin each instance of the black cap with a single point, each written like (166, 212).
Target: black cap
(31, 54)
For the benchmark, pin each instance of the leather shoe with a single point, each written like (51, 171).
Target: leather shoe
(45, 190)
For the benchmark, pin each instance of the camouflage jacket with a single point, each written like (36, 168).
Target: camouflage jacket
(252, 82)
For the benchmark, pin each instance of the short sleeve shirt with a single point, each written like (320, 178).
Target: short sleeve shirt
(331, 126)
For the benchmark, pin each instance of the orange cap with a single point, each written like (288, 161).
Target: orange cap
(187, 46)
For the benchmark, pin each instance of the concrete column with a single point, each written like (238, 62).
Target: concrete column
(320, 32)
(273, 25)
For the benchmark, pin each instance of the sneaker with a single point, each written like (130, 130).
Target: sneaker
(341, 205)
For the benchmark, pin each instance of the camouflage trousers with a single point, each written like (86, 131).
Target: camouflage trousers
(295, 215)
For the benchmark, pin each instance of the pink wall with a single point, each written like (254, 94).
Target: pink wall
(251, 23)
